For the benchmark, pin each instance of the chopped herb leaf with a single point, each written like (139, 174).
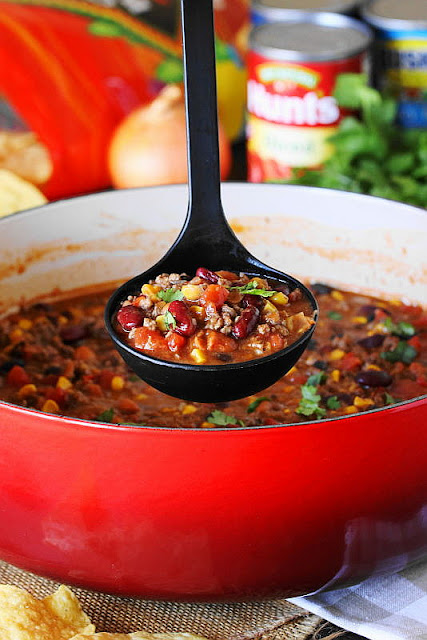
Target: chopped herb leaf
(333, 403)
(309, 405)
(334, 315)
(317, 378)
(170, 295)
(388, 399)
(106, 416)
(170, 321)
(255, 404)
(133, 378)
(221, 419)
(252, 289)
(404, 352)
(401, 329)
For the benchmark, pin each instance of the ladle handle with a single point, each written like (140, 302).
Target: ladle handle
(205, 213)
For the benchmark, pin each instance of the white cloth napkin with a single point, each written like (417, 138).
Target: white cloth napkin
(380, 608)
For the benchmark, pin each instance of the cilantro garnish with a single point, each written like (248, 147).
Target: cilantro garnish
(404, 352)
(388, 399)
(106, 416)
(401, 329)
(317, 378)
(255, 404)
(170, 321)
(333, 403)
(170, 295)
(221, 419)
(334, 315)
(251, 288)
(309, 404)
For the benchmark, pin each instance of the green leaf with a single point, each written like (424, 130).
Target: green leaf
(333, 403)
(170, 295)
(221, 419)
(400, 162)
(388, 399)
(106, 416)
(404, 352)
(309, 404)
(317, 378)
(334, 315)
(348, 89)
(255, 403)
(252, 289)
(170, 71)
(170, 321)
(401, 329)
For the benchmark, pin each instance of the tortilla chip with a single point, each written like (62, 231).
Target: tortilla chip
(17, 194)
(57, 617)
(139, 635)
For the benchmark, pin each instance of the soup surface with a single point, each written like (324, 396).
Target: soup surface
(216, 317)
(366, 353)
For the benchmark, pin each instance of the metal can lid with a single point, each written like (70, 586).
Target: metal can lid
(279, 9)
(405, 15)
(316, 37)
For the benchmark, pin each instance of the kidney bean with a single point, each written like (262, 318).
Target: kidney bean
(251, 300)
(368, 310)
(130, 317)
(184, 321)
(374, 378)
(280, 286)
(371, 342)
(207, 274)
(246, 323)
(72, 333)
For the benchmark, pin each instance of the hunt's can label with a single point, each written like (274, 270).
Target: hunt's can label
(400, 57)
(292, 72)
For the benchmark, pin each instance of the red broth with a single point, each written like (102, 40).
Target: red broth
(366, 353)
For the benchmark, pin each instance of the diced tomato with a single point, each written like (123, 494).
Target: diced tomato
(126, 405)
(93, 390)
(220, 343)
(175, 341)
(228, 275)
(58, 395)
(150, 340)
(269, 421)
(421, 322)
(380, 315)
(420, 373)
(105, 378)
(415, 342)
(215, 295)
(349, 362)
(276, 341)
(84, 353)
(17, 376)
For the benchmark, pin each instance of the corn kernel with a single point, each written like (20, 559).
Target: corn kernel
(198, 356)
(141, 396)
(16, 335)
(199, 312)
(270, 310)
(117, 383)
(188, 409)
(350, 409)
(25, 324)
(337, 295)
(395, 302)
(191, 291)
(286, 411)
(27, 390)
(359, 320)
(161, 323)
(336, 354)
(279, 298)
(259, 283)
(373, 367)
(50, 406)
(207, 425)
(64, 383)
(335, 375)
(362, 403)
(151, 290)
(62, 320)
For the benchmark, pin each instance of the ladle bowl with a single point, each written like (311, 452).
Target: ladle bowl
(206, 240)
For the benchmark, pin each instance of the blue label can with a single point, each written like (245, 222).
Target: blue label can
(269, 11)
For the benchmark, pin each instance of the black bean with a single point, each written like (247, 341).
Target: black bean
(372, 342)
(52, 371)
(9, 364)
(368, 310)
(312, 345)
(224, 357)
(321, 364)
(320, 289)
(374, 378)
(41, 306)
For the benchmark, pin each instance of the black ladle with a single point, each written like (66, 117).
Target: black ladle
(205, 240)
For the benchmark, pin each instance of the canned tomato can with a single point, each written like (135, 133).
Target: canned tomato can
(292, 72)
(267, 11)
(400, 55)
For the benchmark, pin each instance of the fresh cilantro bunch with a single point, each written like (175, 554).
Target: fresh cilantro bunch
(372, 155)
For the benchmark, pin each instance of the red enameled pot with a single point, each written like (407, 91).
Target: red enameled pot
(226, 513)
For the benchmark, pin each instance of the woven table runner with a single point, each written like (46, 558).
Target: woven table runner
(266, 620)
